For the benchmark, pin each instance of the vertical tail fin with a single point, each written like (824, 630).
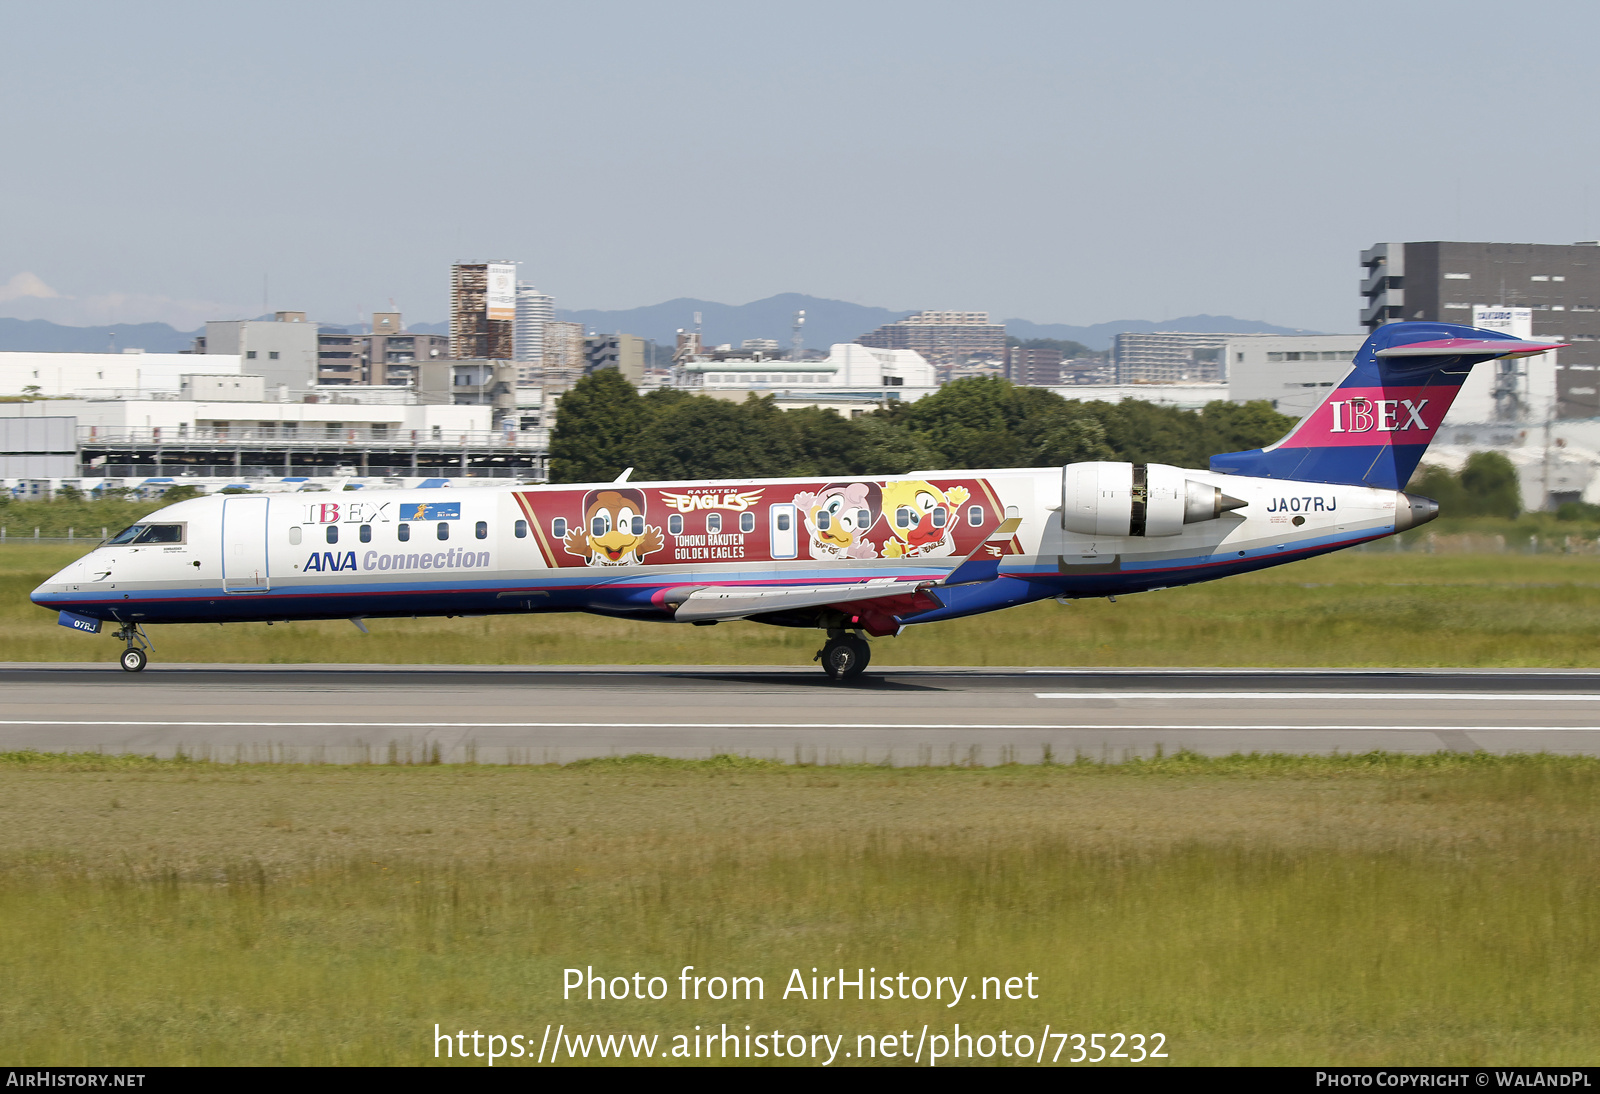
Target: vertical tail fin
(1373, 428)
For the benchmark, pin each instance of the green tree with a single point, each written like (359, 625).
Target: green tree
(827, 444)
(1489, 482)
(1070, 433)
(599, 424)
(891, 449)
(1236, 427)
(1433, 481)
(1141, 432)
(704, 438)
(970, 422)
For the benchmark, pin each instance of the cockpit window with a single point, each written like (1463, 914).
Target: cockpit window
(149, 533)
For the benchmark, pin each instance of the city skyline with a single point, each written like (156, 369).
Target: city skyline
(1062, 162)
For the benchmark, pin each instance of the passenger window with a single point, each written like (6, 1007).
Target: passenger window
(444, 530)
(403, 531)
(675, 524)
(638, 526)
(824, 520)
(599, 525)
(482, 530)
(747, 522)
(939, 516)
(366, 533)
(333, 533)
(558, 527)
(975, 515)
(714, 523)
(520, 529)
(902, 517)
(294, 535)
(783, 522)
(863, 519)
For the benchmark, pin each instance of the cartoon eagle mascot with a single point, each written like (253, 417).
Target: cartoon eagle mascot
(613, 531)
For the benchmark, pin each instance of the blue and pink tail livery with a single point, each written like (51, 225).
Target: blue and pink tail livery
(1374, 427)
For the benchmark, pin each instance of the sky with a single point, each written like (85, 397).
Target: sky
(1060, 162)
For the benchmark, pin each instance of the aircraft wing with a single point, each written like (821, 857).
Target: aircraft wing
(889, 597)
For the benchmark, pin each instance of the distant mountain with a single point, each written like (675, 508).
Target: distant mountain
(1099, 335)
(827, 321)
(40, 335)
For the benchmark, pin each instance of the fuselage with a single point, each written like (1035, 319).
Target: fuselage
(630, 549)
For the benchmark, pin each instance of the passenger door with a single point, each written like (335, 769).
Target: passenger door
(244, 545)
(784, 538)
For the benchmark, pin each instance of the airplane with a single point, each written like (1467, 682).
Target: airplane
(853, 557)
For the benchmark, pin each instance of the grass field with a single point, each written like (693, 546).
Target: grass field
(1357, 910)
(1353, 608)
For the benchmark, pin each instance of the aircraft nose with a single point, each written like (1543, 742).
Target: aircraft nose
(1411, 510)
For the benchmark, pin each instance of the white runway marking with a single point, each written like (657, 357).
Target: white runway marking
(791, 725)
(1431, 696)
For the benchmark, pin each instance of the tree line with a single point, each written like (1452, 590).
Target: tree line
(604, 426)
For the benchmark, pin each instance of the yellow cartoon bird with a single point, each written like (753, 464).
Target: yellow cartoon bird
(921, 518)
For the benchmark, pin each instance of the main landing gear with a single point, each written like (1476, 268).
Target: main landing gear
(133, 658)
(844, 656)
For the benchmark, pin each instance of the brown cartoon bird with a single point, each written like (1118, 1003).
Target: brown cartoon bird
(613, 531)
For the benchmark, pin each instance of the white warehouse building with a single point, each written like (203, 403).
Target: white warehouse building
(129, 374)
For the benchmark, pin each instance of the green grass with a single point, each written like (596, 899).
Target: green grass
(1329, 910)
(1348, 609)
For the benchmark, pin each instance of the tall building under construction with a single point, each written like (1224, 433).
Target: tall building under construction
(483, 310)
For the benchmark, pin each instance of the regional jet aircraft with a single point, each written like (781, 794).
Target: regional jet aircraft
(850, 557)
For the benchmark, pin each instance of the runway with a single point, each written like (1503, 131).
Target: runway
(344, 713)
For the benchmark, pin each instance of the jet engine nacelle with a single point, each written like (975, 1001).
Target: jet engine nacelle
(1136, 499)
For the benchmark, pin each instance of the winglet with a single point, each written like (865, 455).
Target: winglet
(973, 568)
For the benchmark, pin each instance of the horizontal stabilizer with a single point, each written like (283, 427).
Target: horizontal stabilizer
(1470, 347)
(987, 568)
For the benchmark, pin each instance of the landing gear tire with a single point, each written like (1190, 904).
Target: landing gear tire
(843, 659)
(133, 659)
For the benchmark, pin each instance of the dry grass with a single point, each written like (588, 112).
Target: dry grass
(1256, 910)
(1353, 609)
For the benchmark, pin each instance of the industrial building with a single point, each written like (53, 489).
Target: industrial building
(132, 373)
(623, 352)
(143, 438)
(1292, 372)
(387, 357)
(283, 350)
(943, 338)
(1033, 366)
(1169, 357)
(874, 374)
(1557, 285)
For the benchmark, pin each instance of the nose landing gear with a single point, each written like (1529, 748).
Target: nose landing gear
(844, 656)
(133, 658)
